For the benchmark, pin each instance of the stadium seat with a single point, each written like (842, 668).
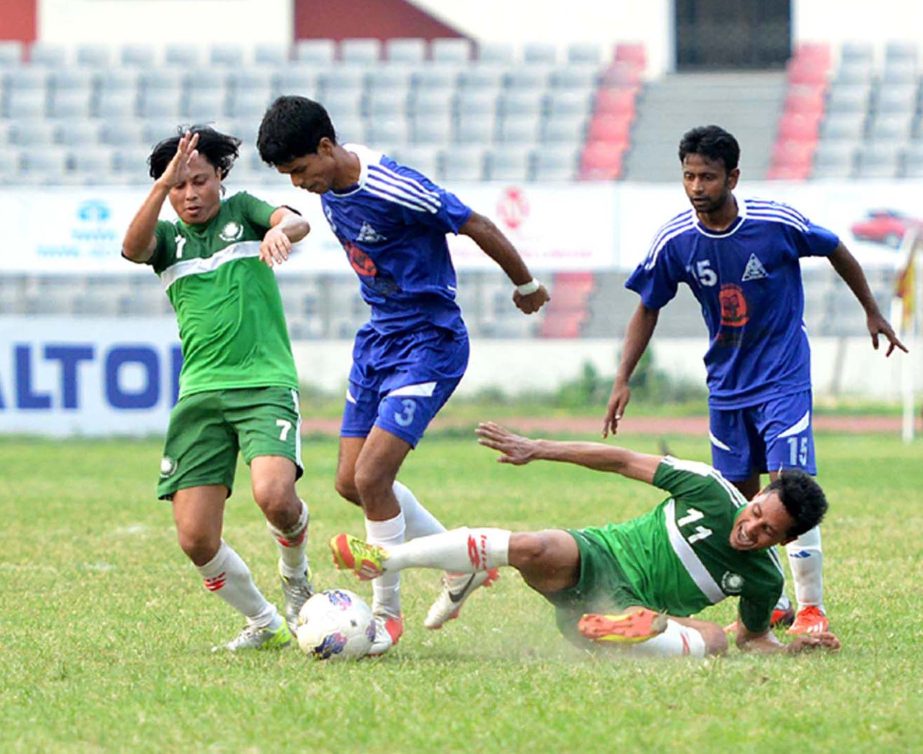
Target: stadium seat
(450, 50)
(340, 80)
(32, 78)
(631, 53)
(528, 78)
(496, 53)
(806, 72)
(901, 50)
(385, 103)
(11, 53)
(138, 56)
(489, 78)
(568, 130)
(431, 101)
(202, 106)
(248, 103)
(797, 127)
(556, 163)
(539, 53)
(93, 161)
(879, 161)
(518, 129)
(343, 103)
(73, 79)
(161, 103)
(25, 132)
(521, 102)
(123, 132)
(364, 51)
(318, 52)
(477, 102)
(621, 75)
(575, 77)
(297, 78)
(385, 132)
(410, 50)
(270, 55)
(569, 103)
(856, 51)
(610, 129)
(896, 99)
(116, 103)
(817, 52)
(848, 99)
(394, 78)
(805, 101)
(509, 163)
(616, 102)
(185, 56)
(477, 128)
(834, 160)
(48, 55)
(584, 53)
(94, 55)
(424, 159)
(48, 163)
(889, 127)
(431, 130)
(75, 105)
(441, 77)
(26, 103)
(899, 73)
(79, 133)
(601, 160)
(227, 55)
(843, 126)
(463, 163)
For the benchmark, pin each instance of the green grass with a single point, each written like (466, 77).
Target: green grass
(105, 629)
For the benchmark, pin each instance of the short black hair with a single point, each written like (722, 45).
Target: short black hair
(802, 497)
(219, 149)
(291, 128)
(712, 142)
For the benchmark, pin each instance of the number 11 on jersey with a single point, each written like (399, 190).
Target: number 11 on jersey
(700, 533)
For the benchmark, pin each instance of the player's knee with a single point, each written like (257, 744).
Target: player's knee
(527, 549)
(371, 483)
(200, 547)
(346, 488)
(276, 498)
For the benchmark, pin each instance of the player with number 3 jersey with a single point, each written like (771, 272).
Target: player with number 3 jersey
(392, 223)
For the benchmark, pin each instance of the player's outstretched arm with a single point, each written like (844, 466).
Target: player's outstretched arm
(139, 242)
(530, 295)
(637, 335)
(519, 450)
(767, 642)
(287, 227)
(848, 268)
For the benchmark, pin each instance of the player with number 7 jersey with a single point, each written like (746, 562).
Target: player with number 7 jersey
(238, 384)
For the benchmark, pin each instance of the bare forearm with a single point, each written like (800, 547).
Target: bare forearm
(293, 225)
(600, 457)
(497, 246)
(851, 272)
(139, 238)
(637, 336)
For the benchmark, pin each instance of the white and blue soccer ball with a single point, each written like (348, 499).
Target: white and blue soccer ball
(336, 624)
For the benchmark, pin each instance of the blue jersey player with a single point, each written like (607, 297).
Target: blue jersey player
(741, 258)
(407, 360)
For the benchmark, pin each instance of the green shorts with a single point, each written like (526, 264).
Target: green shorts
(208, 429)
(602, 586)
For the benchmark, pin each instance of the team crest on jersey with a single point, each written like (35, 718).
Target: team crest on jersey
(231, 231)
(362, 263)
(732, 583)
(167, 467)
(754, 269)
(733, 306)
(368, 234)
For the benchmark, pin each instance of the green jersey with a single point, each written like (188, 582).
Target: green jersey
(678, 558)
(227, 303)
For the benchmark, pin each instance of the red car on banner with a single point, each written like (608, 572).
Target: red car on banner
(885, 226)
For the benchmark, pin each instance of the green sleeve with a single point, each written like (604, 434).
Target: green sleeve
(165, 235)
(756, 609)
(255, 210)
(684, 478)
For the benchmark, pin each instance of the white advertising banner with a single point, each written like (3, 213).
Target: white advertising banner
(63, 230)
(65, 377)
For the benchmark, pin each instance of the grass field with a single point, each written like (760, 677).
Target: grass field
(105, 629)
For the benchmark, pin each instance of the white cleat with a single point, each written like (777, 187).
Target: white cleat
(388, 631)
(456, 588)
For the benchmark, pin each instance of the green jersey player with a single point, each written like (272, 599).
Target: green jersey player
(238, 384)
(634, 585)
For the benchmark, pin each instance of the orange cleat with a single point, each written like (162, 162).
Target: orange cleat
(810, 620)
(625, 628)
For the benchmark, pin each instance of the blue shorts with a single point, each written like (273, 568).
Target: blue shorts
(399, 382)
(770, 436)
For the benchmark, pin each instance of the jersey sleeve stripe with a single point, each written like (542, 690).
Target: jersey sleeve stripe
(661, 241)
(407, 180)
(408, 187)
(774, 218)
(390, 197)
(694, 567)
(387, 189)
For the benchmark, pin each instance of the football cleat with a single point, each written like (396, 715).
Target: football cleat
(810, 620)
(625, 628)
(456, 588)
(352, 554)
(388, 631)
(782, 613)
(256, 637)
(297, 591)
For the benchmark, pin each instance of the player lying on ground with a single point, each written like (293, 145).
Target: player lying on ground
(238, 384)
(634, 584)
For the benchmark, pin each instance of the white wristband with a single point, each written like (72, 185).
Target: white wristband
(527, 289)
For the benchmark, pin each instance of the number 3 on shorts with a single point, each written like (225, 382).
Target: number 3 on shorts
(284, 427)
(405, 418)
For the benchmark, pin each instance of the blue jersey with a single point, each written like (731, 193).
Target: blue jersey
(748, 281)
(393, 226)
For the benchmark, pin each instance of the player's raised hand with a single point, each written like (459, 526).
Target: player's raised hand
(618, 400)
(825, 640)
(878, 325)
(178, 169)
(275, 247)
(515, 449)
(532, 302)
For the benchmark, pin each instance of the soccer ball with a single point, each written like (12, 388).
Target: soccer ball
(335, 624)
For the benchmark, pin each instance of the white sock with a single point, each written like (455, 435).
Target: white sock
(807, 563)
(386, 589)
(418, 520)
(293, 561)
(676, 641)
(228, 576)
(459, 550)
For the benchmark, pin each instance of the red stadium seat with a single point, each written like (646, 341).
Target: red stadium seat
(797, 127)
(611, 129)
(818, 53)
(621, 74)
(633, 53)
(617, 102)
(805, 101)
(789, 172)
(806, 72)
(601, 160)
